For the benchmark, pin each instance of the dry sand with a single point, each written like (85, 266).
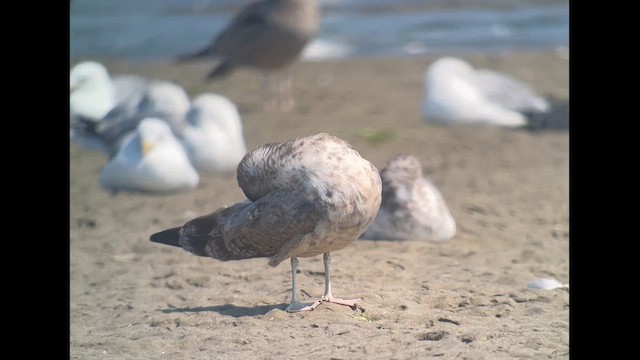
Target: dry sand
(507, 189)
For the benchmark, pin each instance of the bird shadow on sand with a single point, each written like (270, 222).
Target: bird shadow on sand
(228, 309)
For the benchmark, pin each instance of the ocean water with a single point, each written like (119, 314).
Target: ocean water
(163, 29)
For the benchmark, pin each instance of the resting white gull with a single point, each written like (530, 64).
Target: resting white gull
(455, 92)
(412, 207)
(92, 94)
(104, 108)
(150, 159)
(213, 134)
(163, 100)
(307, 196)
(267, 35)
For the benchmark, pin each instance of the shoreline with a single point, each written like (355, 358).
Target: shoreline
(560, 51)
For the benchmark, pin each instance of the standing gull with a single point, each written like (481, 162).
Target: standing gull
(267, 35)
(305, 197)
(455, 92)
(412, 206)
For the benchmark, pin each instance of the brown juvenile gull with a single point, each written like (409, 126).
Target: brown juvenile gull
(267, 35)
(306, 196)
(412, 206)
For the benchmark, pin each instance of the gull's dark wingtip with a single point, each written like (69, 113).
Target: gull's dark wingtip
(167, 237)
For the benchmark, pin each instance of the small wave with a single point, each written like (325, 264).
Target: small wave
(322, 49)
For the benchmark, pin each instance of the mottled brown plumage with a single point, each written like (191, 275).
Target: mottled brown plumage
(305, 197)
(267, 35)
(412, 206)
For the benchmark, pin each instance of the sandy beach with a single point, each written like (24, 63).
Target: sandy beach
(508, 190)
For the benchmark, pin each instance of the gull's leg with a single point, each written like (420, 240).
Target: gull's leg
(284, 91)
(295, 306)
(269, 102)
(327, 285)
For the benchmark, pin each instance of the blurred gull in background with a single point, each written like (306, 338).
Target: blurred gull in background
(557, 118)
(105, 108)
(267, 35)
(454, 92)
(166, 100)
(158, 30)
(92, 93)
(162, 99)
(412, 207)
(213, 134)
(150, 159)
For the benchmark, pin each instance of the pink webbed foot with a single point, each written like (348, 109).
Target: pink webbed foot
(298, 307)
